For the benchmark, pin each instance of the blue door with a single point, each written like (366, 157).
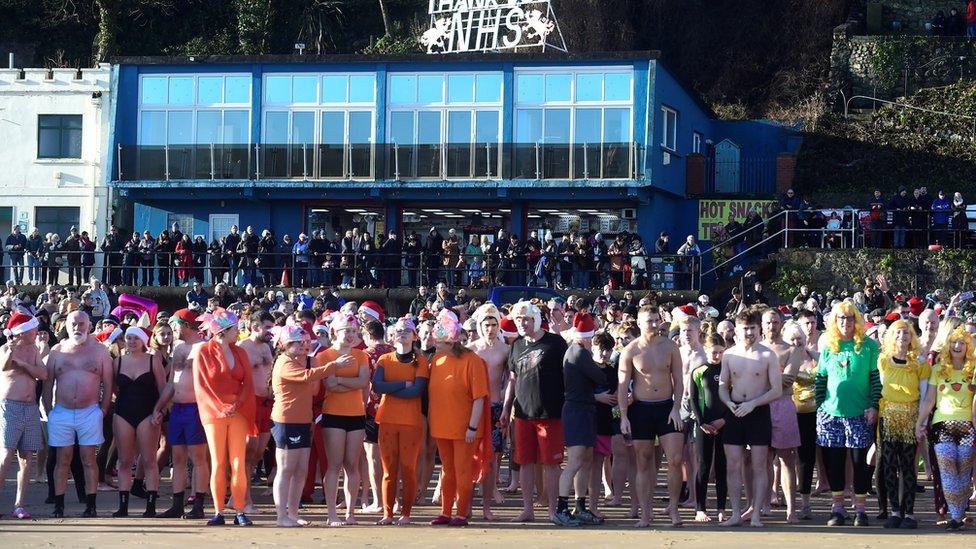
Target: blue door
(727, 167)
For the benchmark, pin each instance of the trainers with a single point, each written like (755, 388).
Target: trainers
(861, 519)
(587, 517)
(194, 514)
(806, 512)
(908, 523)
(836, 519)
(440, 520)
(892, 522)
(241, 520)
(216, 520)
(21, 513)
(953, 525)
(563, 518)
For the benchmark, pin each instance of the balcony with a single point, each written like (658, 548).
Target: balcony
(397, 162)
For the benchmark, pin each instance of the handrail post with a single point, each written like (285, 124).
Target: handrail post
(488, 160)
(118, 160)
(396, 161)
(305, 161)
(786, 224)
(212, 162)
(538, 168)
(586, 162)
(257, 161)
(166, 158)
(348, 158)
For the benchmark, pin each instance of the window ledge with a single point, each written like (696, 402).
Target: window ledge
(671, 151)
(62, 161)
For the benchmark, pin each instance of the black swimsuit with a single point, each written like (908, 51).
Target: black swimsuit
(136, 398)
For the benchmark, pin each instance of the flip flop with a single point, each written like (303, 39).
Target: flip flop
(21, 513)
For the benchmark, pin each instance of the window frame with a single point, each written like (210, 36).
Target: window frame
(195, 107)
(665, 137)
(697, 140)
(61, 128)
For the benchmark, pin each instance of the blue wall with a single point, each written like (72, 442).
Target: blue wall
(668, 92)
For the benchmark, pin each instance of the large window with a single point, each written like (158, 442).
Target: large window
(445, 126)
(59, 136)
(56, 219)
(573, 124)
(195, 126)
(319, 125)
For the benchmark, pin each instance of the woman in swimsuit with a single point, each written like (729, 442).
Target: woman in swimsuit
(806, 414)
(139, 380)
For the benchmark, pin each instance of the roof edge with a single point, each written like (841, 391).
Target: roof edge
(640, 55)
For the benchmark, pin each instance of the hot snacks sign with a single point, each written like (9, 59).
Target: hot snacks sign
(486, 25)
(715, 213)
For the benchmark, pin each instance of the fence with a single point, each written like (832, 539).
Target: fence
(745, 175)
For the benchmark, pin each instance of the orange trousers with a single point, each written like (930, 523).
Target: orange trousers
(399, 448)
(457, 477)
(227, 439)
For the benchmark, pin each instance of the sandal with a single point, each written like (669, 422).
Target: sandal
(21, 513)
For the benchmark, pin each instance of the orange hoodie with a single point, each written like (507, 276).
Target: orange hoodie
(218, 387)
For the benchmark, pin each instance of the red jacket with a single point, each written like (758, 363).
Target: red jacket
(971, 12)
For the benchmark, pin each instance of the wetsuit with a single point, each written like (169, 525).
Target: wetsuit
(706, 408)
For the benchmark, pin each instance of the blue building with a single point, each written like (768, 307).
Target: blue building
(552, 143)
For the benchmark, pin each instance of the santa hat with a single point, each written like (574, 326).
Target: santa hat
(344, 321)
(320, 328)
(108, 335)
(187, 317)
(19, 323)
(583, 326)
(916, 305)
(785, 311)
(870, 328)
(406, 323)
(678, 314)
(140, 333)
(507, 327)
(284, 335)
(372, 309)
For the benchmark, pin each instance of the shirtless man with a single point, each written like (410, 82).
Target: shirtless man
(749, 381)
(79, 370)
(653, 364)
(928, 322)
(185, 431)
(772, 327)
(490, 347)
(692, 357)
(20, 419)
(808, 321)
(258, 349)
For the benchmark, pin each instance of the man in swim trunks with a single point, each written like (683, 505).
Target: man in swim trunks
(649, 396)
(749, 381)
(692, 357)
(258, 349)
(494, 351)
(79, 370)
(20, 419)
(185, 432)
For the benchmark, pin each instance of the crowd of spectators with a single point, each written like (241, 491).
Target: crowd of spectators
(955, 23)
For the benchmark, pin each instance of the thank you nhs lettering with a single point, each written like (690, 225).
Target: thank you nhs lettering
(482, 25)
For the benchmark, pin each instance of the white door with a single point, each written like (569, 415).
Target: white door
(220, 225)
(726, 167)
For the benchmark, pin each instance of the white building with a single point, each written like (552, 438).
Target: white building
(54, 134)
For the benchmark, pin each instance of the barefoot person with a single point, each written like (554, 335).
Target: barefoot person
(185, 432)
(224, 390)
(458, 421)
(258, 349)
(606, 399)
(494, 351)
(294, 383)
(401, 378)
(653, 365)
(79, 370)
(21, 367)
(782, 411)
(749, 381)
(709, 413)
(139, 380)
(848, 390)
(692, 356)
(344, 416)
(536, 390)
(903, 378)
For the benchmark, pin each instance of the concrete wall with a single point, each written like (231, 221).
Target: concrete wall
(26, 181)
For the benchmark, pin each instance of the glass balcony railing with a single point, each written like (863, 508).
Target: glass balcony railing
(393, 161)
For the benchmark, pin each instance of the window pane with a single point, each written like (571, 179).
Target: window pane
(72, 121)
(303, 128)
(460, 88)
(401, 128)
(209, 89)
(619, 86)
(616, 126)
(360, 137)
(403, 88)
(428, 140)
(528, 125)
(154, 90)
(360, 127)
(277, 90)
(586, 140)
(589, 87)
(557, 126)
(236, 127)
(180, 90)
(333, 128)
(333, 89)
(152, 128)
(180, 128)
(276, 128)
(459, 127)
(362, 88)
(428, 127)
(331, 152)
(431, 89)
(558, 87)
(587, 127)
(488, 88)
(305, 89)
(486, 131)
(486, 127)
(49, 143)
(459, 143)
(71, 143)
(529, 88)
(208, 127)
(616, 143)
(237, 89)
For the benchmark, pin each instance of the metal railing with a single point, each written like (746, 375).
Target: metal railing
(745, 175)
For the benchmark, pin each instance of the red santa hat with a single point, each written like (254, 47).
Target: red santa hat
(916, 305)
(19, 323)
(785, 311)
(372, 309)
(142, 333)
(507, 327)
(583, 325)
(108, 335)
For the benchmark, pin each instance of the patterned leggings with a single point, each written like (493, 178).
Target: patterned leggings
(955, 450)
(899, 457)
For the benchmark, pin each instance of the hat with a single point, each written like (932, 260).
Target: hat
(19, 323)
(219, 320)
(507, 327)
(916, 305)
(187, 317)
(405, 323)
(320, 327)
(372, 309)
(703, 299)
(891, 317)
(343, 322)
(141, 333)
(583, 325)
(446, 328)
(527, 308)
(108, 335)
(284, 335)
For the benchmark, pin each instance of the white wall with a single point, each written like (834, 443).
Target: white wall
(27, 181)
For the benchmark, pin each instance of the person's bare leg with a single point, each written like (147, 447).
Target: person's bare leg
(760, 479)
(7, 456)
(62, 468)
(350, 466)
(201, 468)
(281, 487)
(618, 469)
(375, 467)
(527, 480)
(550, 486)
(673, 444)
(690, 472)
(25, 460)
(646, 480)
(788, 477)
(335, 451)
(300, 471)
(596, 482)
(489, 490)
(733, 463)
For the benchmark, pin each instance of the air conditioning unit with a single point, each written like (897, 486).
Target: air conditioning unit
(628, 213)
